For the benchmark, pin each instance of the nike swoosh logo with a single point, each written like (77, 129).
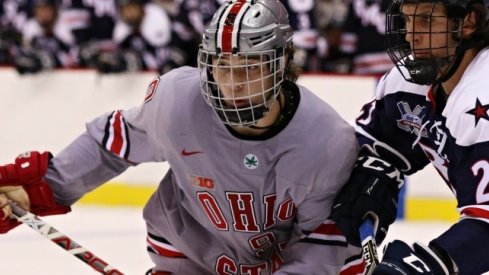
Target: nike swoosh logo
(189, 153)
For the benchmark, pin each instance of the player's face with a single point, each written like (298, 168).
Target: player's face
(428, 30)
(242, 80)
(45, 15)
(132, 14)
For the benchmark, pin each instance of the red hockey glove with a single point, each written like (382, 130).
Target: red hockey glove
(28, 171)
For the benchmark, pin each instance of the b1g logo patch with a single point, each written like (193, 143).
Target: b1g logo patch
(202, 182)
(151, 90)
(250, 161)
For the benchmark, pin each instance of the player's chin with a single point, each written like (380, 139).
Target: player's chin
(422, 55)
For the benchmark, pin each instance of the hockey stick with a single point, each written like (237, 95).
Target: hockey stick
(62, 240)
(369, 248)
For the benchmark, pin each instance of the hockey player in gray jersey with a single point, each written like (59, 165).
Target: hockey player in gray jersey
(249, 189)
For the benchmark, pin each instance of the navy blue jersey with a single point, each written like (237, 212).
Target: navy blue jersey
(422, 126)
(90, 19)
(303, 22)
(14, 14)
(364, 23)
(148, 40)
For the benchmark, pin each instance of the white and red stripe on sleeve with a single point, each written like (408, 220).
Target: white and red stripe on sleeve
(162, 247)
(116, 138)
(327, 234)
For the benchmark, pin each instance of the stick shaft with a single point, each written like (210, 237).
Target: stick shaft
(369, 248)
(62, 240)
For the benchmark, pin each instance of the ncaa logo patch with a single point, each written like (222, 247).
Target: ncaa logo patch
(250, 161)
(411, 120)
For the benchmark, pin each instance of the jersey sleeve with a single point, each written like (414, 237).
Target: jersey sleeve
(326, 259)
(319, 246)
(381, 133)
(113, 142)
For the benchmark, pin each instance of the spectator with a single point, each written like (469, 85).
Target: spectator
(302, 16)
(187, 27)
(13, 16)
(46, 43)
(92, 24)
(330, 56)
(364, 36)
(142, 33)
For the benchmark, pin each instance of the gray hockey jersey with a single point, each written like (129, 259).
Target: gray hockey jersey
(231, 205)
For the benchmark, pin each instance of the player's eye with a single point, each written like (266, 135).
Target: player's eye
(424, 18)
(223, 67)
(253, 67)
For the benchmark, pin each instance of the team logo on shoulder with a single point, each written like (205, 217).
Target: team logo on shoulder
(151, 90)
(250, 161)
(479, 111)
(411, 120)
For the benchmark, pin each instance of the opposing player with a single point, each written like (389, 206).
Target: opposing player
(432, 108)
(255, 158)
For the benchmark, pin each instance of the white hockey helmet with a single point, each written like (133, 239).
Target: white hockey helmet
(258, 30)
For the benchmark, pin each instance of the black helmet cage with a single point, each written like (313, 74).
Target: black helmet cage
(260, 34)
(429, 70)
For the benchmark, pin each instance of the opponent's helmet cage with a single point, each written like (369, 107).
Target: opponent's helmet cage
(429, 69)
(258, 33)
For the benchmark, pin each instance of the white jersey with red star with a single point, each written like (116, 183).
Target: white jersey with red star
(453, 134)
(231, 205)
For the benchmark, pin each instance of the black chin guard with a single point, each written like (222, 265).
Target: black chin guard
(423, 72)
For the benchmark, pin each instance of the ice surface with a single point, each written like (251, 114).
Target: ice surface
(118, 236)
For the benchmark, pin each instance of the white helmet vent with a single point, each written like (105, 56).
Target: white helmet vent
(259, 39)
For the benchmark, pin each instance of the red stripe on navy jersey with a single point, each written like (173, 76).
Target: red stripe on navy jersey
(431, 96)
(117, 142)
(476, 212)
(230, 21)
(165, 252)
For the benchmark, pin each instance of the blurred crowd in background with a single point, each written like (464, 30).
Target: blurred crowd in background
(114, 36)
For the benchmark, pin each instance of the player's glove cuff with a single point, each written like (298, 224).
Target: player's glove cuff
(28, 168)
(372, 190)
(400, 258)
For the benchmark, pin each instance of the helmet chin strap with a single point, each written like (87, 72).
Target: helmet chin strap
(280, 105)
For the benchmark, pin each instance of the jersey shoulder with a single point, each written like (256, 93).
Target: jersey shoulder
(322, 141)
(178, 82)
(468, 105)
(393, 82)
(170, 92)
